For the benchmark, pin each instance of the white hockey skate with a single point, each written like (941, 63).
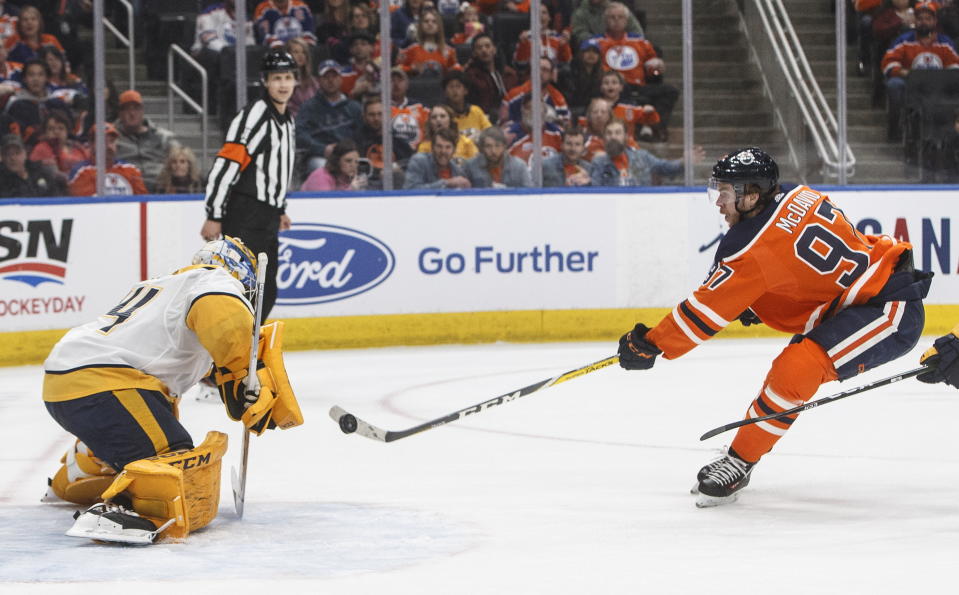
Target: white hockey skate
(106, 521)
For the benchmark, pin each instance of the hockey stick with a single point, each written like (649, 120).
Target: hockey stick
(816, 403)
(349, 423)
(252, 387)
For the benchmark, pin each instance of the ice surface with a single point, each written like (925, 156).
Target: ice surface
(581, 488)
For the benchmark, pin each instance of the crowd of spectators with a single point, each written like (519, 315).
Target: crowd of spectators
(452, 78)
(896, 38)
(46, 119)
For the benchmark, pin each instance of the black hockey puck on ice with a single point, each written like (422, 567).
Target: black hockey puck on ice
(348, 423)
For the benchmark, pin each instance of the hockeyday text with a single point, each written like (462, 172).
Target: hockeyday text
(486, 259)
(37, 306)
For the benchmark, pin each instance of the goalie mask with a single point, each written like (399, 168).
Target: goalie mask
(742, 168)
(235, 257)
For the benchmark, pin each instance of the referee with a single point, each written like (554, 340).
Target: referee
(247, 185)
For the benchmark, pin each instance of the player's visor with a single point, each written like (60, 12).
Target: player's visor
(712, 190)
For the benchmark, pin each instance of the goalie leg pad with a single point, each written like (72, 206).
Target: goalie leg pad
(81, 478)
(182, 486)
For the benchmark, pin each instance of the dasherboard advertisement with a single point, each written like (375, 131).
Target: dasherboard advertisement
(446, 254)
(62, 265)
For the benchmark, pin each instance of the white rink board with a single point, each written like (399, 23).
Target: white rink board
(410, 254)
(61, 265)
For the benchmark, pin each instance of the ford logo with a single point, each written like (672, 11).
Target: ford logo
(324, 263)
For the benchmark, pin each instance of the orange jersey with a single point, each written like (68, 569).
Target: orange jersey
(409, 122)
(796, 263)
(430, 59)
(521, 143)
(626, 55)
(555, 47)
(907, 53)
(120, 179)
(595, 143)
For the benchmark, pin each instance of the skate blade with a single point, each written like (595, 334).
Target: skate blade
(695, 489)
(129, 537)
(707, 501)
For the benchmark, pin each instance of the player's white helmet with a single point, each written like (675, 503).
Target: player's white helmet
(233, 255)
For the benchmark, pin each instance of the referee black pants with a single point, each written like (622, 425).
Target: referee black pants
(258, 225)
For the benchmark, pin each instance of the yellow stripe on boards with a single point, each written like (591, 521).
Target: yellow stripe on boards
(133, 402)
(521, 326)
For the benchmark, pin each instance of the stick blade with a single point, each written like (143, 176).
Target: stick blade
(238, 495)
(362, 428)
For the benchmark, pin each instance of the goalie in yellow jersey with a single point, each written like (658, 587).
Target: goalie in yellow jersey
(115, 382)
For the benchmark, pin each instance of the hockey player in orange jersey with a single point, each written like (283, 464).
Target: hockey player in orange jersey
(792, 260)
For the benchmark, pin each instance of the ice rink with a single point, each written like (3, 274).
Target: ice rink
(578, 489)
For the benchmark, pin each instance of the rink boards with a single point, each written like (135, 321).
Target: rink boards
(404, 268)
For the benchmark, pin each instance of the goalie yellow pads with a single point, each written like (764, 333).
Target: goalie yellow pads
(183, 485)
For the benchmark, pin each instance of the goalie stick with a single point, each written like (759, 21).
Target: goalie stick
(252, 387)
(816, 403)
(349, 423)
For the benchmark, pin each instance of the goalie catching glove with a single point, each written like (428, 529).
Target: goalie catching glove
(635, 352)
(275, 405)
(942, 359)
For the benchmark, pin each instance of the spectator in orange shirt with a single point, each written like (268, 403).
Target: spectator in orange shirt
(29, 37)
(641, 117)
(121, 178)
(56, 149)
(429, 54)
(555, 45)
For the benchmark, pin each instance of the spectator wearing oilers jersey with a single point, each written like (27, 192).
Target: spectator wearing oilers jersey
(642, 117)
(793, 261)
(512, 106)
(589, 20)
(922, 49)
(430, 53)
(29, 38)
(621, 50)
(277, 21)
(555, 45)
(408, 119)
(519, 134)
(121, 178)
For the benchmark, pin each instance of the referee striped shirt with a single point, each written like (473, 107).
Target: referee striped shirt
(256, 159)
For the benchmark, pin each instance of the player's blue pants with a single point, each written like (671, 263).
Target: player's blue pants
(886, 327)
(122, 426)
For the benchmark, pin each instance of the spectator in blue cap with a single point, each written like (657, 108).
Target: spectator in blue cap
(581, 83)
(327, 117)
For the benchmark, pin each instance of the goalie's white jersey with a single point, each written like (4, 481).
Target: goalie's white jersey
(148, 331)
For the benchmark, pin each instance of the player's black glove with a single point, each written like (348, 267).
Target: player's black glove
(635, 352)
(749, 317)
(942, 359)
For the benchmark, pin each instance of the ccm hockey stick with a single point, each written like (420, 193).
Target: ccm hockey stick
(816, 403)
(349, 423)
(252, 387)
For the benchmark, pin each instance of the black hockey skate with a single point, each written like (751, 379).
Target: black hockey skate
(107, 521)
(721, 480)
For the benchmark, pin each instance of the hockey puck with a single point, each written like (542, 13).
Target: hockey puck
(348, 423)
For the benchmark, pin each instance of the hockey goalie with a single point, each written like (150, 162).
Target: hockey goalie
(114, 383)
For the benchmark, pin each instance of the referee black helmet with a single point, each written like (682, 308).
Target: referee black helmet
(277, 60)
